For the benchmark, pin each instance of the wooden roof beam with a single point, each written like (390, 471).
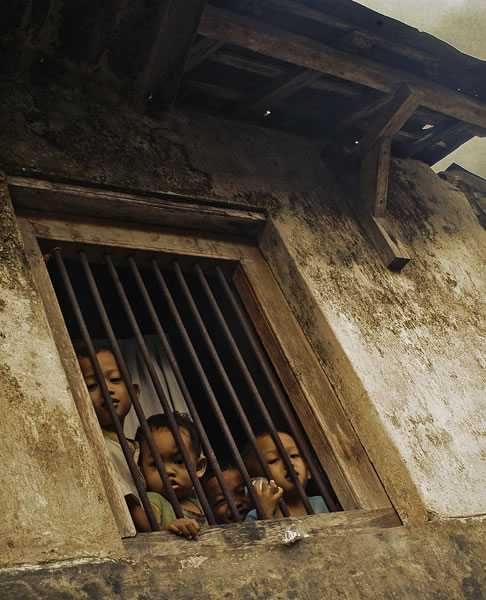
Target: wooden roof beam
(389, 120)
(252, 34)
(315, 14)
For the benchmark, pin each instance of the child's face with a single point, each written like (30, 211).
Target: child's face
(172, 461)
(276, 464)
(219, 504)
(115, 384)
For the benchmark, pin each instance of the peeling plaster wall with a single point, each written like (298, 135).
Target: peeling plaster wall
(404, 351)
(53, 502)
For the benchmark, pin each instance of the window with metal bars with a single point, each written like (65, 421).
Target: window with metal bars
(226, 380)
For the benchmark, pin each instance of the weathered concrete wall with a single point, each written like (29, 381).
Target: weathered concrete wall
(405, 351)
(439, 561)
(53, 502)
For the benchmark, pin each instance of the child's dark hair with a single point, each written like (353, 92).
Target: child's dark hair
(161, 421)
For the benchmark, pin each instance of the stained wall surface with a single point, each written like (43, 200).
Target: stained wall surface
(53, 502)
(405, 351)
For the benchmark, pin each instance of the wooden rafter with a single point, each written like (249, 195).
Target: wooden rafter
(356, 109)
(273, 41)
(244, 63)
(201, 50)
(278, 89)
(435, 135)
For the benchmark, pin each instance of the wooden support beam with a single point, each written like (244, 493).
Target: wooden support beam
(389, 121)
(315, 14)
(201, 50)
(255, 35)
(280, 88)
(178, 22)
(375, 168)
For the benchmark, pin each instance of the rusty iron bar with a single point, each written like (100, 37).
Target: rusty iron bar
(124, 370)
(226, 380)
(272, 430)
(135, 473)
(185, 392)
(208, 389)
(276, 389)
(162, 397)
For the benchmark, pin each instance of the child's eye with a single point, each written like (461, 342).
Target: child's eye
(219, 502)
(115, 379)
(179, 461)
(91, 386)
(272, 461)
(295, 456)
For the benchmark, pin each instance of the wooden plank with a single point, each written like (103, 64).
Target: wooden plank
(129, 237)
(248, 535)
(249, 33)
(330, 433)
(315, 14)
(277, 90)
(375, 168)
(201, 50)
(389, 120)
(76, 382)
(168, 210)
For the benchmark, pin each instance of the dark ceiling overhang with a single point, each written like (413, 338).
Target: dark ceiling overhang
(319, 68)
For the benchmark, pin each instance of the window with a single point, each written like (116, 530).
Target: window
(234, 271)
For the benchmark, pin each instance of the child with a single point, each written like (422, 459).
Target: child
(267, 491)
(176, 470)
(122, 404)
(217, 501)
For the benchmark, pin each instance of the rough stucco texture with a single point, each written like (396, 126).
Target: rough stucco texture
(405, 351)
(440, 561)
(53, 503)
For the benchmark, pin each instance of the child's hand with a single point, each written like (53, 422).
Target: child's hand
(269, 493)
(189, 528)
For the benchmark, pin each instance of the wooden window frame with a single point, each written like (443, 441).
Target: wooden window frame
(191, 227)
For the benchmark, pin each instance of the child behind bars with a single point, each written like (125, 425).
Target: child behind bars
(282, 483)
(178, 475)
(122, 404)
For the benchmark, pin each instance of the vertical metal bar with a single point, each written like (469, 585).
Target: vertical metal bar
(124, 371)
(208, 389)
(224, 376)
(277, 392)
(162, 397)
(253, 389)
(137, 478)
(185, 392)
